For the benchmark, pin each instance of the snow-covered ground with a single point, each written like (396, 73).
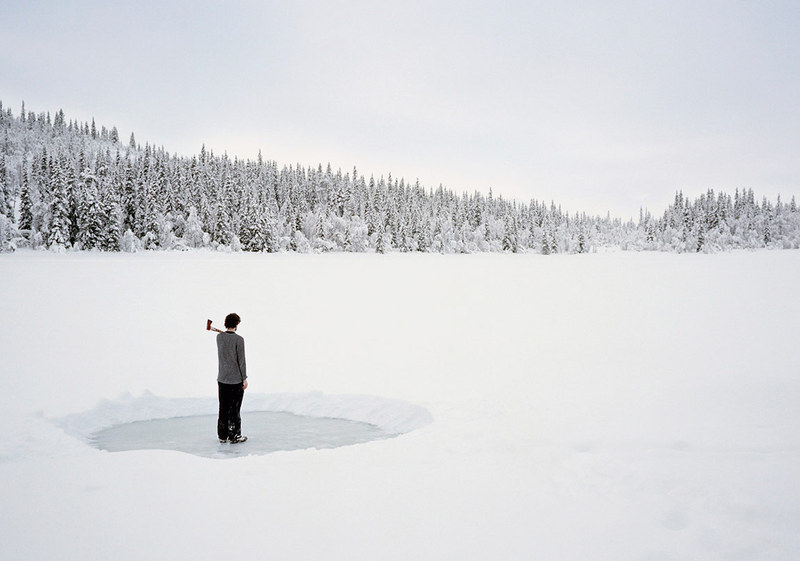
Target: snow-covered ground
(611, 406)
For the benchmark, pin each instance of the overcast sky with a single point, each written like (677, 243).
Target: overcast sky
(599, 106)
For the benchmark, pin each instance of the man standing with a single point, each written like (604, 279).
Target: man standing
(232, 381)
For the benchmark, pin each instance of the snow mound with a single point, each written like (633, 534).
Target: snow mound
(391, 416)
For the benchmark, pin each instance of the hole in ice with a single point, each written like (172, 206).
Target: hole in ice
(267, 431)
(272, 422)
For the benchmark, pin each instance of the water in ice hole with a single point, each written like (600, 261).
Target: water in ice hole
(267, 431)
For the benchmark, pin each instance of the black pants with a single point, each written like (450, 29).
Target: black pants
(229, 423)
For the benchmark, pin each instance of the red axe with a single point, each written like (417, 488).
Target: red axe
(209, 328)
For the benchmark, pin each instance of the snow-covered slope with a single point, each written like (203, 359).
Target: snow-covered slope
(611, 406)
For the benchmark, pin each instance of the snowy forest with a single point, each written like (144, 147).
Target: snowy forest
(67, 185)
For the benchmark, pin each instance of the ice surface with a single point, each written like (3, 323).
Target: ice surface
(267, 431)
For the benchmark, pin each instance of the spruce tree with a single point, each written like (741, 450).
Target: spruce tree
(6, 203)
(222, 234)
(581, 240)
(25, 205)
(6, 234)
(129, 198)
(59, 210)
(91, 221)
(381, 240)
(193, 233)
(110, 232)
(256, 235)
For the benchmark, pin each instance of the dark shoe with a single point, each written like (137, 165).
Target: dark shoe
(223, 440)
(237, 439)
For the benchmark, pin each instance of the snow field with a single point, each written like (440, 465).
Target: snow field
(611, 406)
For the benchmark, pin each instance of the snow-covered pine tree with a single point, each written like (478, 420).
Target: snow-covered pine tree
(110, 233)
(6, 234)
(75, 188)
(6, 195)
(58, 231)
(222, 234)
(255, 232)
(129, 242)
(581, 245)
(129, 196)
(165, 238)
(7, 226)
(90, 220)
(25, 202)
(193, 234)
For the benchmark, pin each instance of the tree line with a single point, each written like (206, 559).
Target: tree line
(71, 185)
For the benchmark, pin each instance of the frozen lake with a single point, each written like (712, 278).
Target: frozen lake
(267, 431)
(613, 406)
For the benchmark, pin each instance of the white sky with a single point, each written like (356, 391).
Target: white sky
(599, 106)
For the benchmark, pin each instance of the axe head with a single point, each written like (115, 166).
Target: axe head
(208, 325)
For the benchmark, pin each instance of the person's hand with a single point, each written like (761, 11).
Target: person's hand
(244, 384)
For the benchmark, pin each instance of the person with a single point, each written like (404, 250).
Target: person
(232, 381)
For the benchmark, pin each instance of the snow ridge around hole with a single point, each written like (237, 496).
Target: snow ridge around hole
(392, 417)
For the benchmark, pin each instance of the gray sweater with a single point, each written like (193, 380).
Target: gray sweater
(230, 350)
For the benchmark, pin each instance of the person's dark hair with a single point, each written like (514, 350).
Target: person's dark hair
(232, 320)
